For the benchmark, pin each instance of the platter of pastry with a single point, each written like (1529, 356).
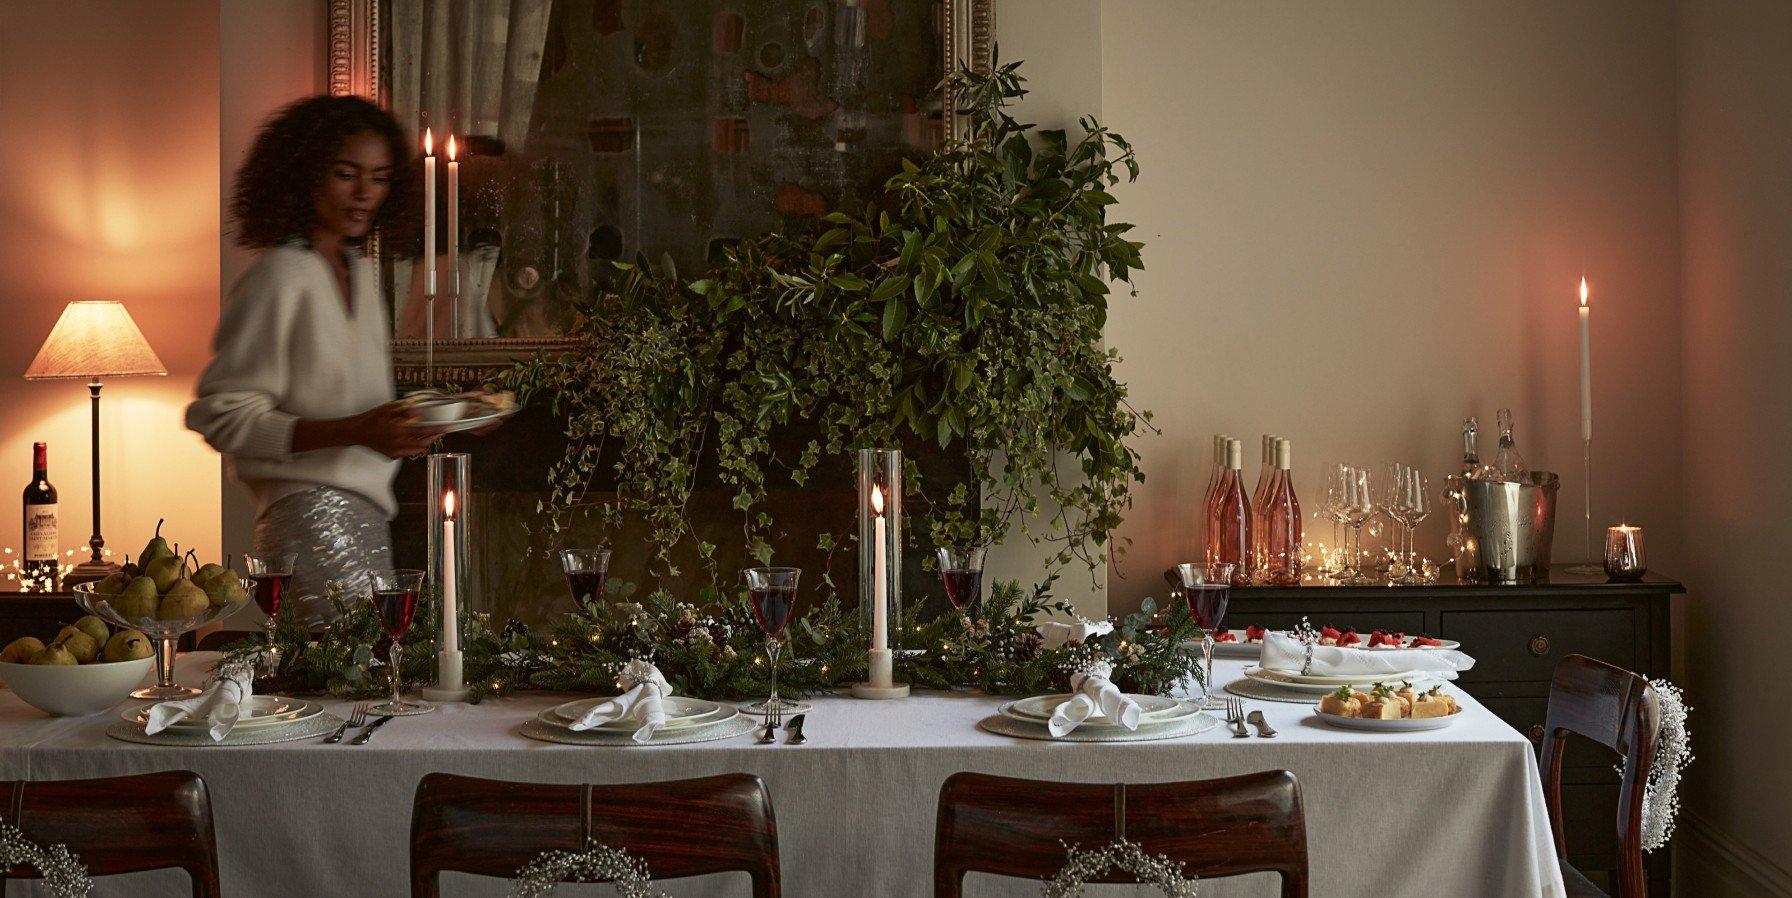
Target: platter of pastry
(1388, 709)
(1248, 643)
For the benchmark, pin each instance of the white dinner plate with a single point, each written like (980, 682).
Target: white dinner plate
(262, 710)
(477, 418)
(1285, 682)
(681, 711)
(1152, 709)
(1446, 644)
(1373, 725)
(1242, 649)
(724, 713)
(1299, 679)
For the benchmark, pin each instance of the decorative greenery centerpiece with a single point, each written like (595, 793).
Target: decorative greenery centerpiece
(711, 649)
(965, 309)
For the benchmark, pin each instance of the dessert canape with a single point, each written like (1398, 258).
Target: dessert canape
(1342, 703)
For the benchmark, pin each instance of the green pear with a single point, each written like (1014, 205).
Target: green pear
(225, 590)
(55, 655)
(155, 550)
(130, 570)
(128, 645)
(165, 571)
(112, 585)
(78, 643)
(138, 600)
(184, 601)
(94, 626)
(209, 572)
(21, 649)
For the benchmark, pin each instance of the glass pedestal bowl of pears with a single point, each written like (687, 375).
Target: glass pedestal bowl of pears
(166, 598)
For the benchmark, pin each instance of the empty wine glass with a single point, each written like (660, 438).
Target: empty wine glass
(1417, 508)
(394, 597)
(1393, 502)
(1337, 490)
(1349, 494)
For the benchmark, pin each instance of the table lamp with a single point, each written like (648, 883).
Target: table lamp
(94, 339)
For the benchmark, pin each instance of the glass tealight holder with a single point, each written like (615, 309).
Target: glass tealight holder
(1624, 553)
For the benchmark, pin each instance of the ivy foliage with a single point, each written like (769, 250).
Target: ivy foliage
(965, 309)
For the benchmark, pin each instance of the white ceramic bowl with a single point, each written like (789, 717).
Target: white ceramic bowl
(440, 411)
(65, 691)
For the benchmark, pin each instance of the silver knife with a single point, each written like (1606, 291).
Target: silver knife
(795, 726)
(1264, 730)
(367, 734)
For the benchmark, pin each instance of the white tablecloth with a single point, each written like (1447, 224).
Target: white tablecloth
(1453, 812)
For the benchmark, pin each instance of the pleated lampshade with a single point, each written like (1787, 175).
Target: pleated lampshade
(94, 338)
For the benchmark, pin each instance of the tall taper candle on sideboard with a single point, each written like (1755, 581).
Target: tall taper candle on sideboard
(1591, 565)
(880, 568)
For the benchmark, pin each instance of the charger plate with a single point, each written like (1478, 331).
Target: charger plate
(543, 731)
(309, 728)
(681, 712)
(1188, 726)
(1267, 692)
(261, 711)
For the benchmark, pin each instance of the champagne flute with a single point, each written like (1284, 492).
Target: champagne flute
(1206, 586)
(1418, 508)
(773, 593)
(586, 572)
(394, 597)
(1394, 501)
(270, 574)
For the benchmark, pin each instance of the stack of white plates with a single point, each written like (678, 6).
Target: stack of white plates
(1154, 710)
(259, 712)
(1305, 683)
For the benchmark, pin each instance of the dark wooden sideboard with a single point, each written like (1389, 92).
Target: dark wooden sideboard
(1517, 634)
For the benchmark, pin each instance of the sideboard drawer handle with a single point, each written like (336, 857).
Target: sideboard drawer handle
(1539, 645)
(1535, 732)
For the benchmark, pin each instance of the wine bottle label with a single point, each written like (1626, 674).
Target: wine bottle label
(41, 535)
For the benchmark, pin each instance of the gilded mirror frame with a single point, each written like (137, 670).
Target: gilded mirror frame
(356, 47)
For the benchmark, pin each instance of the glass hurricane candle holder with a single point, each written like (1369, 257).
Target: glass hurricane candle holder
(880, 568)
(1624, 553)
(450, 518)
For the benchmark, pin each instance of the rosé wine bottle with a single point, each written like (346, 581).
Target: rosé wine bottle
(1212, 496)
(1229, 540)
(1280, 524)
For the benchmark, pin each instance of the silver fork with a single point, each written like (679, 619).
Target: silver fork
(1235, 717)
(355, 719)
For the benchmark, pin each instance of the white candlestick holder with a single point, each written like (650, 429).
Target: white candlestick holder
(880, 569)
(450, 516)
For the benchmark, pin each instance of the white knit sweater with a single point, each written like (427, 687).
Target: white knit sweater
(289, 349)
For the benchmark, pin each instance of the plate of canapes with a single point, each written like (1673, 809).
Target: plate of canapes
(1389, 709)
(1248, 643)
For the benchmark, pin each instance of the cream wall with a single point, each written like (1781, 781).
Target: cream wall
(1364, 221)
(109, 114)
(1736, 266)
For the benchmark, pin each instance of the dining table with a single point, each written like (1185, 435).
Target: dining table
(1456, 811)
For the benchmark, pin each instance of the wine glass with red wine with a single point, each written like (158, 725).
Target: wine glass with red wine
(270, 575)
(773, 594)
(394, 596)
(586, 571)
(961, 570)
(1206, 586)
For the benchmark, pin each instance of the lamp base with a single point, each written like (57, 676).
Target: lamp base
(89, 572)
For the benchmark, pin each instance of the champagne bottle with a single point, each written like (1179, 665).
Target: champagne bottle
(1280, 523)
(1456, 491)
(1507, 462)
(1230, 539)
(1471, 459)
(41, 533)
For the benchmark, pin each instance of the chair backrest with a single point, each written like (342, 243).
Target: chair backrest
(680, 828)
(1617, 709)
(1222, 827)
(122, 824)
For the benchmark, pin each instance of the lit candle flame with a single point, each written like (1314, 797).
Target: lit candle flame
(451, 152)
(1583, 291)
(448, 504)
(429, 143)
(877, 500)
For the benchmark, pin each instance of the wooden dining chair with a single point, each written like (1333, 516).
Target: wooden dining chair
(1223, 827)
(1617, 709)
(122, 824)
(680, 828)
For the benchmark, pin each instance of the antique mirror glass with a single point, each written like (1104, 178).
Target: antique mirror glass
(591, 131)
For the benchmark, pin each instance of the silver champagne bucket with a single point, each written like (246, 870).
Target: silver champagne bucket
(1507, 529)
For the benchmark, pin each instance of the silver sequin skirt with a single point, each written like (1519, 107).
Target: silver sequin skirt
(335, 535)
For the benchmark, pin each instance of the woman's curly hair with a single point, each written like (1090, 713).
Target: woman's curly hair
(273, 200)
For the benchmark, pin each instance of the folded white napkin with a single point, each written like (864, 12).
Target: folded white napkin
(1285, 654)
(643, 687)
(1058, 634)
(1093, 691)
(220, 705)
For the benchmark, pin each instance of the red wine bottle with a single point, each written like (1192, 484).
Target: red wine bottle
(1230, 539)
(41, 533)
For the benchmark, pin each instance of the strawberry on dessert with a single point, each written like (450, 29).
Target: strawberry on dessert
(1349, 638)
(1329, 635)
(1425, 642)
(1253, 634)
(1225, 635)
(1393, 640)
